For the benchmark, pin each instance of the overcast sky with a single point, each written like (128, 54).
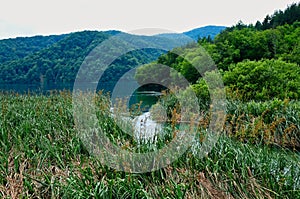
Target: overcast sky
(36, 17)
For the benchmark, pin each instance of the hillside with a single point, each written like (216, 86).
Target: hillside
(59, 62)
(206, 31)
(56, 59)
(195, 34)
(256, 64)
(12, 49)
(56, 62)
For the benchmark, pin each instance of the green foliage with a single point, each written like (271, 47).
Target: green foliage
(262, 64)
(169, 102)
(248, 43)
(274, 122)
(201, 90)
(18, 48)
(276, 37)
(59, 62)
(153, 73)
(41, 156)
(258, 65)
(56, 59)
(187, 63)
(263, 80)
(289, 16)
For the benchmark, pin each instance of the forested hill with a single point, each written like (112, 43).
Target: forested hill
(197, 33)
(256, 64)
(56, 62)
(12, 49)
(207, 31)
(56, 59)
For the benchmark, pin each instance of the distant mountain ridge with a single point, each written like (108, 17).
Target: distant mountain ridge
(196, 33)
(205, 31)
(57, 58)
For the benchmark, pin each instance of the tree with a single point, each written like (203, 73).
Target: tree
(263, 80)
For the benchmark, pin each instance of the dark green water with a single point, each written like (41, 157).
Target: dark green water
(147, 99)
(125, 90)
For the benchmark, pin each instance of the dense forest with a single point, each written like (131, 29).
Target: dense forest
(18, 48)
(56, 59)
(256, 63)
(59, 62)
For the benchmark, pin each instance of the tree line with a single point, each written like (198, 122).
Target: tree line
(255, 63)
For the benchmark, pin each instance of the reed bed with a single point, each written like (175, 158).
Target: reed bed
(42, 157)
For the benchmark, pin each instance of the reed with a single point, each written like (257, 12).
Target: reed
(42, 157)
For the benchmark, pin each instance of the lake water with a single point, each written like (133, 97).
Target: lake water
(145, 129)
(124, 89)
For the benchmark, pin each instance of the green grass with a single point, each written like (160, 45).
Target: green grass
(41, 157)
(275, 122)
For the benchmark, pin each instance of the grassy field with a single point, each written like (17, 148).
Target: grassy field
(41, 156)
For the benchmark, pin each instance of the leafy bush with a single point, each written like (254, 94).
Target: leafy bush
(263, 80)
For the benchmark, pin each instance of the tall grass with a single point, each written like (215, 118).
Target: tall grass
(41, 157)
(275, 122)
